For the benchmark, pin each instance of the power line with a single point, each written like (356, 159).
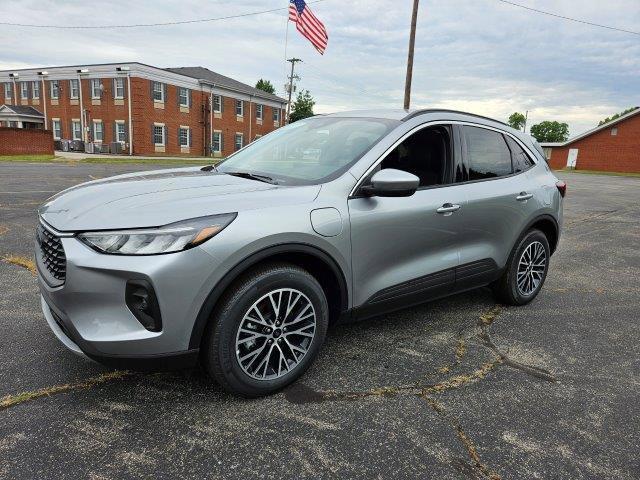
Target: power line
(569, 18)
(161, 24)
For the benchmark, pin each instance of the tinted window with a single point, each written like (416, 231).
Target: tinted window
(521, 161)
(487, 153)
(425, 154)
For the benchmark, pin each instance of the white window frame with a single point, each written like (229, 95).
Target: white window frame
(124, 131)
(182, 128)
(240, 103)
(164, 134)
(95, 87)
(74, 89)
(614, 131)
(213, 141)
(219, 101)
(8, 91)
(186, 96)
(35, 90)
(54, 87)
(95, 131)
(235, 141)
(276, 114)
(56, 127)
(259, 111)
(161, 91)
(24, 90)
(76, 122)
(118, 84)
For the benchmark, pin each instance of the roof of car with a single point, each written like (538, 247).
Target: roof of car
(403, 115)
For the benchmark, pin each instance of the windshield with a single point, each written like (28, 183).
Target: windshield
(309, 151)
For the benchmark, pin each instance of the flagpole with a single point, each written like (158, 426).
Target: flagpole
(286, 42)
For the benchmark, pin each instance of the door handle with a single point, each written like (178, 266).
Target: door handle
(447, 209)
(524, 196)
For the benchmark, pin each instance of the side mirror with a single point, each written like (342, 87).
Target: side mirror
(391, 183)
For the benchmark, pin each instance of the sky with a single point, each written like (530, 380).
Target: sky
(481, 56)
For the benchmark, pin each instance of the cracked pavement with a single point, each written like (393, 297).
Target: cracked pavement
(458, 388)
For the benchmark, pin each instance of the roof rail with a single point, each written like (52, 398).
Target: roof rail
(436, 110)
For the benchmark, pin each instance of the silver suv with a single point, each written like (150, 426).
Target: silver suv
(336, 217)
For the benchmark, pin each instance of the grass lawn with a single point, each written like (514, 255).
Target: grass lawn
(599, 172)
(178, 161)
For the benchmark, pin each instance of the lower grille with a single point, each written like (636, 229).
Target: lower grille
(53, 256)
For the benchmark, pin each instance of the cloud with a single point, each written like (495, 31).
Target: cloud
(483, 56)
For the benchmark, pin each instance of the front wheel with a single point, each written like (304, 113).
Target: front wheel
(526, 270)
(267, 331)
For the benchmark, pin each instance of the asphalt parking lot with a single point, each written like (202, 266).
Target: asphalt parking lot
(459, 388)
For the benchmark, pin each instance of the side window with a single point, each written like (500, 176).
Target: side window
(521, 160)
(487, 154)
(426, 154)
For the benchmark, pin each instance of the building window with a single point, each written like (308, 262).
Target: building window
(159, 135)
(158, 92)
(8, 90)
(24, 90)
(35, 90)
(183, 97)
(118, 88)
(259, 112)
(276, 114)
(120, 132)
(184, 136)
(76, 128)
(96, 91)
(239, 141)
(98, 132)
(614, 131)
(239, 108)
(56, 126)
(74, 90)
(217, 103)
(55, 89)
(216, 142)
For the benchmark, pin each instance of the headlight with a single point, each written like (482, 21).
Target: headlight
(149, 241)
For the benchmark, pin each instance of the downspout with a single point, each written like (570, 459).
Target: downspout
(82, 118)
(250, 120)
(130, 119)
(44, 101)
(211, 122)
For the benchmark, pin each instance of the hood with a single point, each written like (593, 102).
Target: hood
(152, 199)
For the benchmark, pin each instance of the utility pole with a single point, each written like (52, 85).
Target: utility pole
(412, 42)
(290, 86)
(526, 117)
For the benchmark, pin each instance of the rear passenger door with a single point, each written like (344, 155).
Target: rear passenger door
(498, 205)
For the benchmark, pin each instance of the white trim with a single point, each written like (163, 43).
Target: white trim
(73, 130)
(97, 121)
(53, 128)
(35, 83)
(77, 94)
(164, 135)
(115, 81)
(188, 129)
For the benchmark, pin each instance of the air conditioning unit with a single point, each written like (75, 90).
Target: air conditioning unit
(88, 148)
(65, 145)
(101, 148)
(116, 147)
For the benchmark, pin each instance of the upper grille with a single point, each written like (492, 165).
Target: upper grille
(53, 256)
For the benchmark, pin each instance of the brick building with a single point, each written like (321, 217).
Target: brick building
(612, 147)
(143, 110)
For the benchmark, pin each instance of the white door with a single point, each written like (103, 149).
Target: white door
(572, 158)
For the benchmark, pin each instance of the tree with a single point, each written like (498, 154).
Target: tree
(616, 116)
(302, 107)
(550, 131)
(517, 120)
(266, 86)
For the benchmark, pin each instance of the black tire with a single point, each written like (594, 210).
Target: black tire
(219, 346)
(506, 287)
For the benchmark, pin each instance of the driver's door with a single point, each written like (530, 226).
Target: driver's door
(405, 249)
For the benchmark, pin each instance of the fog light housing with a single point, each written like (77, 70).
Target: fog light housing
(143, 303)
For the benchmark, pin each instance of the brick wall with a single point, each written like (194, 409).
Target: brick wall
(603, 151)
(19, 141)
(145, 112)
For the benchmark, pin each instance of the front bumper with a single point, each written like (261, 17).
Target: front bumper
(89, 315)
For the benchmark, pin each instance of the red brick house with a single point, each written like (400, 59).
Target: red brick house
(612, 147)
(139, 109)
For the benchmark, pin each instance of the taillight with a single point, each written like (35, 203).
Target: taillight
(562, 187)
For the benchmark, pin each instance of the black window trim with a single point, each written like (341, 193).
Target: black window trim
(434, 123)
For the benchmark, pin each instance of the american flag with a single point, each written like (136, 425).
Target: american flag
(308, 24)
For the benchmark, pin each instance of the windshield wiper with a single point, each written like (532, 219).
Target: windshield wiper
(208, 168)
(253, 176)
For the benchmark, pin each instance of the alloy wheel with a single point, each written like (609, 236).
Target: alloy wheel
(531, 268)
(275, 334)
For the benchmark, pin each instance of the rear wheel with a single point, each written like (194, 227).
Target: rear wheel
(526, 270)
(267, 331)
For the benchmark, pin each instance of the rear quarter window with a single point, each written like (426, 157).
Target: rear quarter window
(487, 154)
